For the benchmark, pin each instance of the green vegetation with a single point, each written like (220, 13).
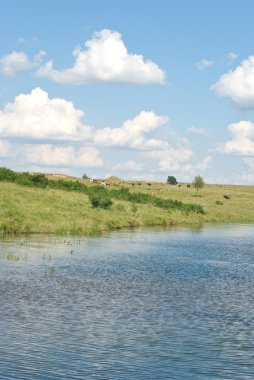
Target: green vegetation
(100, 201)
(171, 180)
(66, 206)
(198, 182)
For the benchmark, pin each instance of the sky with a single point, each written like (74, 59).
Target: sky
(136, 89)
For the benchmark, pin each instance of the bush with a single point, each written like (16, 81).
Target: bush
(7, 175)
(24, 179)
(219, 203)
(100, 201)
(39, 180)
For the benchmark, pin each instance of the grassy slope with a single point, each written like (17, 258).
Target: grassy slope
(24, 209)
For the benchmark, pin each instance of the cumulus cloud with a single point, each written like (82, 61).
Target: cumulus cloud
(11, 64)
(132, 133)
(46, 154)
(35, 116)
(196, 131)
(238, 84)
(204, 64)
(105, 59)
(242, 139)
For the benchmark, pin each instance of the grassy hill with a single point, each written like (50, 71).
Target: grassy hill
(35, 210)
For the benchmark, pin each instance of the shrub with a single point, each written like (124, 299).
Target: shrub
(7, 175)
(100, 201)
(39, 180)
(24, 179)
(219, 203)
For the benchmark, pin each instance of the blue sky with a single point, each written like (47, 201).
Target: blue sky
(139, 89)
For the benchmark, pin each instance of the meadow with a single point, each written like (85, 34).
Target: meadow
(26, 209)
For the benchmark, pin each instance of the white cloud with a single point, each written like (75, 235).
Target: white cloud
(11, 64)
(238, 84)
(172, 158)
(46, 154)
(35, 116)
(230, 58)
(196, 131)
(204, 164)
(204, 64)
(105, 59)
(5, 148)
(128, 165)
(131, 133)
(242, 139)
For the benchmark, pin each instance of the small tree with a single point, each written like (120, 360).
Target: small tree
(85, 176)
(198, 182)
(171, 180)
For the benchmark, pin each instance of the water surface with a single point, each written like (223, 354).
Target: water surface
(165, 304)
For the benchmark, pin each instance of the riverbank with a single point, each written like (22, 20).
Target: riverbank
(33, 210)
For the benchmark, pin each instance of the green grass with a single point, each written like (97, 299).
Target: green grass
(34, 210)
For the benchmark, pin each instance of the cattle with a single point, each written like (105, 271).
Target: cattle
(188, 185)
(226, 196)
(179, 185)
(149, 184)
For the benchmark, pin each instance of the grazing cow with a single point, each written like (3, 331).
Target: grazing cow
(179, 185)
(226, 196)
(139, 183)
(133, 184)
(188, 185)
(149, 184)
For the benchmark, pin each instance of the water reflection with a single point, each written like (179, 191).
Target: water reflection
(130, 305)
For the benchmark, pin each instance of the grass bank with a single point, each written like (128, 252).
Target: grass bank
(36, 210)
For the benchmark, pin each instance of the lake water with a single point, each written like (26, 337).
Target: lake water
(154, 304)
